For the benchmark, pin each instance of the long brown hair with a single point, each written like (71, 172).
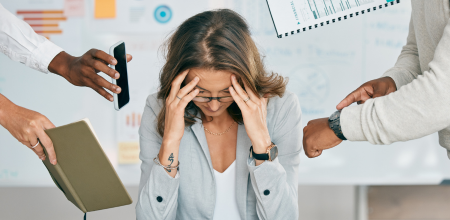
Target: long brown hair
(217, 40)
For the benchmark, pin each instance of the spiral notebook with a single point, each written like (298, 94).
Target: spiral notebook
(296, 16)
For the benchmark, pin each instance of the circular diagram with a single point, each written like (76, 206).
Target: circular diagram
(163, 14)
(311, 85)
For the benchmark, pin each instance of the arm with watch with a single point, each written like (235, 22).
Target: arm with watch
(321, 134)
(274, 156)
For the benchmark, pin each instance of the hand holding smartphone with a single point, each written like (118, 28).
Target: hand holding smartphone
(118, 51)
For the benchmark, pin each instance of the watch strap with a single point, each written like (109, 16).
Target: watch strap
(335, 124)
(259, 156)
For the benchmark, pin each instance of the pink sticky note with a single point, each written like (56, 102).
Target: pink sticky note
(74, 8)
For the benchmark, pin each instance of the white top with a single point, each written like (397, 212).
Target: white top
(20, 43)
(226, 206)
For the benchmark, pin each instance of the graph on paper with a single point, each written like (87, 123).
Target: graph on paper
(295, 16)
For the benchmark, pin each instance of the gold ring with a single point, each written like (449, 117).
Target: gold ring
(248, 98)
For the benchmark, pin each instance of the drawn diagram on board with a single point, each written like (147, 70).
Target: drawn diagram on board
(312, 86)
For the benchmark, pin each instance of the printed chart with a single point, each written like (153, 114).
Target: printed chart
(294, 16)
(44, 22)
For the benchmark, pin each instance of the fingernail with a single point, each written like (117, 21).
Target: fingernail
(114, 62)
(42, 158)
(54, 161)
(234, 77)
(118, 89)
(111, 99)
(196, 78)
(117, 75)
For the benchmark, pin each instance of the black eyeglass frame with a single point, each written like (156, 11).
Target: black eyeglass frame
(214, 98)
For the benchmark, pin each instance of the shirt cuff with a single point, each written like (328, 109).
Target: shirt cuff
(351, 124)
(45, 53)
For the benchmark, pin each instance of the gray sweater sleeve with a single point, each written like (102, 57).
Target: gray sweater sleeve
(417, 109)
(407, 67)
(158, 191)
(276, 183)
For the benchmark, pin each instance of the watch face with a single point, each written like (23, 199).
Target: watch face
(273, 153)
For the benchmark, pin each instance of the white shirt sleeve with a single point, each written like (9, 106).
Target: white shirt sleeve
(20, 43)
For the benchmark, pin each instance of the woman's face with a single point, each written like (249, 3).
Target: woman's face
(213, 83)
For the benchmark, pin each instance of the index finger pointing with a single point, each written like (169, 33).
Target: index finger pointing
(352, 97)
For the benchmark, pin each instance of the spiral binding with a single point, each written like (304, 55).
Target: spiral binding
(339, 18)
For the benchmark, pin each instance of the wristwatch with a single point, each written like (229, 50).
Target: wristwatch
(270, 155)
(335, 124)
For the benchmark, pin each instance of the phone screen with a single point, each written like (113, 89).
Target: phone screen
(121, 67)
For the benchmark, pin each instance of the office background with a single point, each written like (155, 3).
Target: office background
(323, 66)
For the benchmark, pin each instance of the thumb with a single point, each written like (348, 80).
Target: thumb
(129, 57)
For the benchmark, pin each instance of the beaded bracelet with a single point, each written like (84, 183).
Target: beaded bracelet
(156, 160)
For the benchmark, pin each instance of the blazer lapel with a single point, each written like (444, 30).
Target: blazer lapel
(242, 152)
(197, 128)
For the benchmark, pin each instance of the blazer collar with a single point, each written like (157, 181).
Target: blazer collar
(242, 151)
(242, 173)
(199, 132)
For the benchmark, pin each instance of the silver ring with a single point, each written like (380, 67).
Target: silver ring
(248, 98)
(35, 145)
(179, 98)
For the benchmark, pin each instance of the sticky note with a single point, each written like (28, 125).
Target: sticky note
(105, 9)
(129, 153)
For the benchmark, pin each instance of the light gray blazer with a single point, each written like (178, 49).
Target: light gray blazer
(267, 191)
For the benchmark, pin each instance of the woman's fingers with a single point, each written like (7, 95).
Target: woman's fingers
(250, 93)
(176, 83)
(238, 89)
(241, 104)
(48, 144)
(186, 99)
(188, 88)
(38, 150)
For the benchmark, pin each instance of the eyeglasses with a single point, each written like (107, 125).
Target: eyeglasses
(208, 99)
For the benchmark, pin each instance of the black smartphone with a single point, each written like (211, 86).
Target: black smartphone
(118, 51)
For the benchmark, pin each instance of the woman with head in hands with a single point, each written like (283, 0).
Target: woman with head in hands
(221, 138)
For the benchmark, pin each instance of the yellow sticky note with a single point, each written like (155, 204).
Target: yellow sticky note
(105, 9)
(129, 152)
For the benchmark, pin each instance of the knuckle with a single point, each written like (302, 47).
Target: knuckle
(96, 64)
(33, 123)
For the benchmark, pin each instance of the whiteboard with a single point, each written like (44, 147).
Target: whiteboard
(323, 66)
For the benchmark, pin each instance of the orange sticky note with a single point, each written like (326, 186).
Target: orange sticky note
(105, 9)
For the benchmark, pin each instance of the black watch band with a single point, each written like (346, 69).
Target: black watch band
(335, 124)
(259, 156)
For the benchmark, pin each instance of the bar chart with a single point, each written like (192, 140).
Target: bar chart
(44, 22)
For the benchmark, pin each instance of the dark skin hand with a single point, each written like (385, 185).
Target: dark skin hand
(82, 71)
(318, 136)
(369, 90)
(28, 126)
